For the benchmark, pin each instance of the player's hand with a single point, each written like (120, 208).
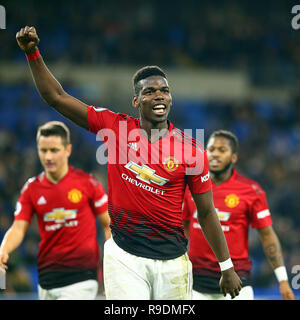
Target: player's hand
(3, 259)
(27, 39)
(230, 283)
(286, 291)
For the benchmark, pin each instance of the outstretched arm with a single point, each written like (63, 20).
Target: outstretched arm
(49, 88)
(211, 227)
(12, 239)
(273, 252)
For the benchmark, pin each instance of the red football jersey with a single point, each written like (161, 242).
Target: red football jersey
(146, 183)
(240, 202)
(66, 219)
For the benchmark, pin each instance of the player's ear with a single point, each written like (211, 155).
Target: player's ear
(69, 149)
(135, 101)
(234, 158)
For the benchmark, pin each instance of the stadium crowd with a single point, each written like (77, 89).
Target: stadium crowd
(250, 35)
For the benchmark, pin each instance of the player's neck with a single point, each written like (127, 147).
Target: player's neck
(55, 177)
(154, 130)
(220, 177)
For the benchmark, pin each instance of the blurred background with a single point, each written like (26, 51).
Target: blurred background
(231, 65)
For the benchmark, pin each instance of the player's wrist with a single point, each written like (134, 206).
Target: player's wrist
(281, 274)
(32, 54)
(226, 265)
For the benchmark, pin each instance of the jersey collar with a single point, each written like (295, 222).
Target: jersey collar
(232, 177)
(45, 180)
(170, 128)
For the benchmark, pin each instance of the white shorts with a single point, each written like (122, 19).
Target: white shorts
(129, 277)
(246, 293)
(84, 290)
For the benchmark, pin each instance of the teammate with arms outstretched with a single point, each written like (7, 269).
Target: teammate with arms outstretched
(66, 202)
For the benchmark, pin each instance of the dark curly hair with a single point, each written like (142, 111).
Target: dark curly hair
(144, 73)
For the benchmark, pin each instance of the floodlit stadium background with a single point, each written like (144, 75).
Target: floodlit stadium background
(230, 66)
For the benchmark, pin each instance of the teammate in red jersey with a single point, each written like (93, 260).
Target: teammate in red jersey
(66, 202)
(240, 202)
(146, 257)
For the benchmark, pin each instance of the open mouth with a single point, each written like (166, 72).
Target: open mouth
(159, 109)
(214, 162)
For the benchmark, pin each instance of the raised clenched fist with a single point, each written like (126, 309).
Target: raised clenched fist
(27, 39)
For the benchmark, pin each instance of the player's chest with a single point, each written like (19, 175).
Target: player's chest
(161, 162)
(58, 199)
(232, 205)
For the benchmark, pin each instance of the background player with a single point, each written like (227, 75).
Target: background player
(146, 257)
(240, 203)
(66, 201)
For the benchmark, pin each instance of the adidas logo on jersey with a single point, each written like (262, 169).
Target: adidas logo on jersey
(133, 146)
(41, 200)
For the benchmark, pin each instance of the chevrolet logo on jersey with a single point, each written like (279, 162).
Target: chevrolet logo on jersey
(222, 215)
(60, 215)
(146, 173)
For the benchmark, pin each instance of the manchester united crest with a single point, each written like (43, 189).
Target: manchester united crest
(170, 164)
(74, 195)
(232, 200)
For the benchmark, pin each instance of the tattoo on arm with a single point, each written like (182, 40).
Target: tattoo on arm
(273, 252)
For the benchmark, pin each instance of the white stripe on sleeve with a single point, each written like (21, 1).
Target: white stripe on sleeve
(99, 109)
(101, 202)
(263, 214)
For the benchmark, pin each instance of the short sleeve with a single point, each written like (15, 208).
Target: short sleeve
(100, 118)
(100, 199)
(24, 208)
(260, 216)
(200, 183)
